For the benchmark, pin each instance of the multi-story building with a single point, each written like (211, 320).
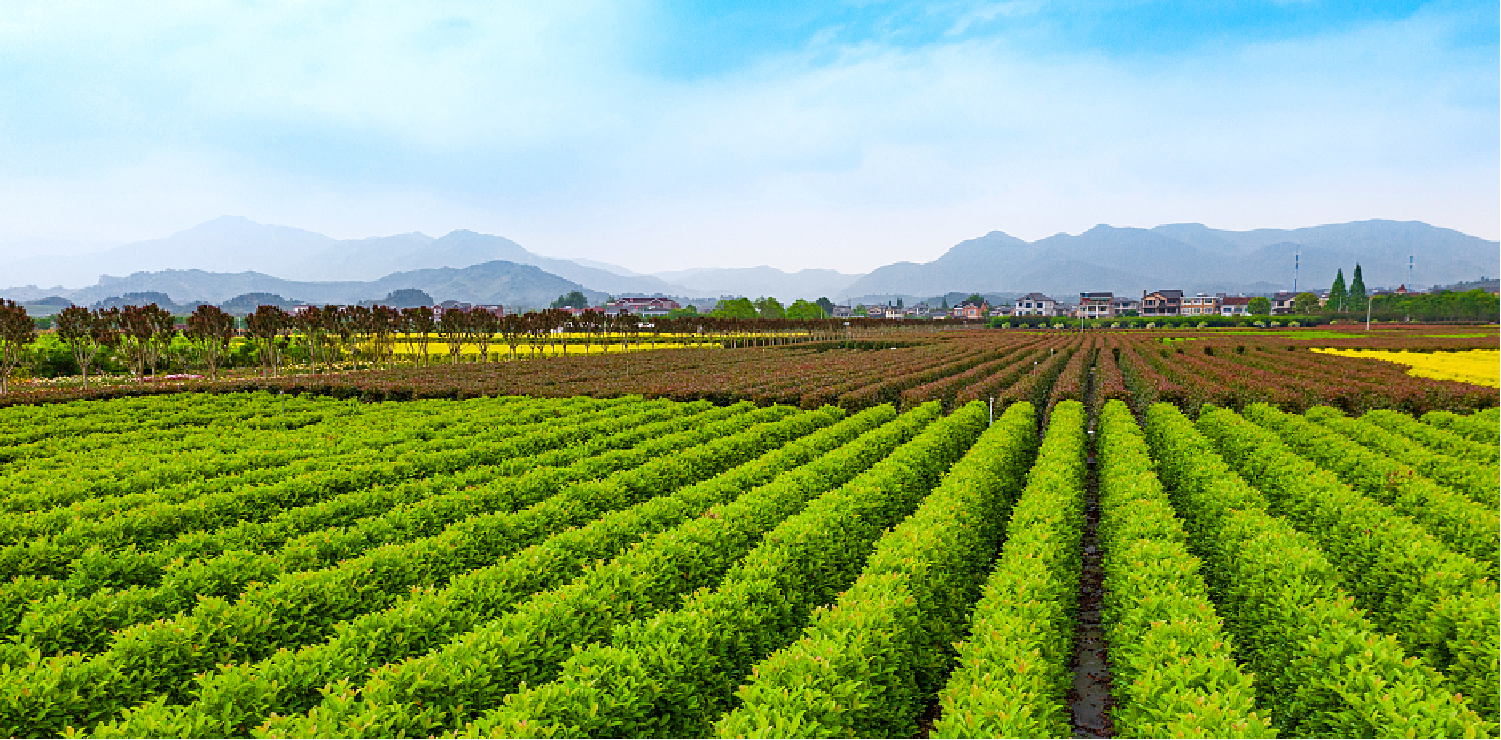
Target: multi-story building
(1161, 302)
(972, 310)
(642, 306)
(1235, 305)
(1121, 304)
(1282, 303)
(1095, 306)
(1199, 304)
(1034, 304)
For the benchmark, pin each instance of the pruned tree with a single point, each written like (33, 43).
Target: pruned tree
(383, 323)
(136, 334)
(87, 333)
(210, 330)
(482, 328)
(512, 329)
(420, 323)
(17, 332)
(452, 329)
(264, 327)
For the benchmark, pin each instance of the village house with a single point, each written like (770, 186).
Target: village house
(1235, 305)
(1282, 303)
(642, 306)
(1095, 306)
(1161, 302)
(1120, 305)
(1199, 304)
(972, 310)
(1034, 304)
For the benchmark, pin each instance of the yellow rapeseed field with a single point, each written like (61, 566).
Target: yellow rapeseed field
(1478, 366)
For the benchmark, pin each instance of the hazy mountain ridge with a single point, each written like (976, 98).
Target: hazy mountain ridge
(1190, 257)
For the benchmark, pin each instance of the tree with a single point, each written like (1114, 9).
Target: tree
(802, 310)
(738, 308)
(677, 313)
(309, 322)
(827, 306)
(575, 299)
(453, 325)
(1357, 291)
(770, 308)
(975, 298)
(1338, 295)
(421, 322)
(17, 331)
(945, 305)
(210, 329)
(1260, 306)
(263, 327)
(86, 332)
(408, 298)
(1305, 304)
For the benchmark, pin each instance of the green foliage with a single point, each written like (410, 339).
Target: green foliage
(769, 308)
(1260, 306)
(1357, 299)
(1339, 295)
(1171, 663)
(678, 313)
(866, 666)
(1463, 525)
(1012, 678)
(802, 310)
(1305, 304)
(574, 299)
(735, 308)
(672, 675)
(1439, 604)
(1322, 669)
(1480, 427)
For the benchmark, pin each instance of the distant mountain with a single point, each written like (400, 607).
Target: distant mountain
(502, 282)
(231, 244)
(755, 282)
(1193, 257)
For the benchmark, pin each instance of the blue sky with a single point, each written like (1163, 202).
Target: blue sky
(669, 135)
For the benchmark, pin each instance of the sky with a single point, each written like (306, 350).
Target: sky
(668, 135)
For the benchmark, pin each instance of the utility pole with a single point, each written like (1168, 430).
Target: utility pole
(1295, 273)
(1368, 301)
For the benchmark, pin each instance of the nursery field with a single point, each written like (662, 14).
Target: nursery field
(1032, 534)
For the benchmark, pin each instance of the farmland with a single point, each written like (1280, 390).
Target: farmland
(901, 535)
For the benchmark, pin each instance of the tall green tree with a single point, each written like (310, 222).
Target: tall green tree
(1260, 306)
(770, 308)
(1357, 291)
(802, 310)
(1305, 304)
(827, 306)
(1338, 295)
(574, 299)
(737, 308)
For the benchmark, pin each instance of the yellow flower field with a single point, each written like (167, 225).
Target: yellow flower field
(1478, 366)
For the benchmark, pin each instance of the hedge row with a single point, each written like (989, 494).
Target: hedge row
(1012, 677)
(1074, 378)
(529, 645)
(65, 623)
(73, 499)
(673, 674)
(163, 657)
(419, 630)
(1462, 524)
(1441, 605)
(946, 389)
(98, 572)
(1322, 669)
(144, 527)
(1477, 482)
(1172, 667)
(1479, 427)
(869, 665)
(1438, 440)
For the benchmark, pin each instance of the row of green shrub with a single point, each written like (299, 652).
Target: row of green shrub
(1322, 669)
(529, 645)
(1463, 525)
(379, 439)
(1480, 426)
(869, 665)
(167, 583)
(1013, 677)
(673, 674)
(1436, 439)
(88, 554)
(1441, 605)
(162, 657)
(1477, 482)
(1172, 669)
(509, 603)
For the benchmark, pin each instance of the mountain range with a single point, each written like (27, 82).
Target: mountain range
(230, 255)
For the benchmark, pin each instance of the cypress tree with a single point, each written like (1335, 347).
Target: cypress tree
(1357, 291)
(1337, 294)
